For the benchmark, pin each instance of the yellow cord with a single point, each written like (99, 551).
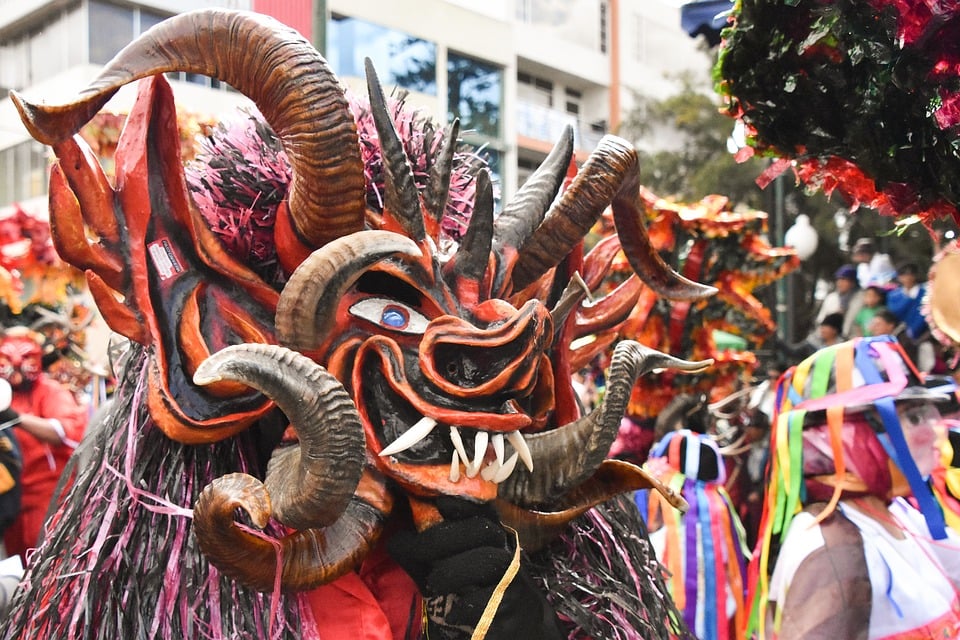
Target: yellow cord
(494, 603)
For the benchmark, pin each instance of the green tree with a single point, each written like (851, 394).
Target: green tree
(699, 163)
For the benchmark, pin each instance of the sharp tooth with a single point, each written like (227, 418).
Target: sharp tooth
(480, 449)
(520, 445)
(498, 447)
(458, 445)
(506, 469)
(410, 437)
(490, 471)
(455, 467)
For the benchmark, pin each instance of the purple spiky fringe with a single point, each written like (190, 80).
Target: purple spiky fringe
(421, 141)
(119, 558)
(241, 175)
(238, 180)
(604, 580)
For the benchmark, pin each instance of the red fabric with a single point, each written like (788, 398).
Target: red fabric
(42, 463)
(379, 602)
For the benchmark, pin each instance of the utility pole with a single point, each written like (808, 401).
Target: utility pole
(784, 319)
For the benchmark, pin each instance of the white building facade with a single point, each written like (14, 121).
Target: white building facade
(514, 71)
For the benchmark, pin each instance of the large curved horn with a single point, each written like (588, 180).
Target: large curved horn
(567, 456)
(610, 175)
(628, 216)
(614, 477)
(572, 216)
(309, 484)
(280, 71)
(315, 487)
(309, 300)
(306, 559)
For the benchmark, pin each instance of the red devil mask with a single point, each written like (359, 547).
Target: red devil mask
(20, 357)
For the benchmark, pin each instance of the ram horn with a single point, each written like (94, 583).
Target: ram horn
(305, 559)
(309, 300)
(309, 484)
(609, 176)
(288, 80)
(565, 457)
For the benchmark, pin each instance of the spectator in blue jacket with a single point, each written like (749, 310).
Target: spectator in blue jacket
(906, 299)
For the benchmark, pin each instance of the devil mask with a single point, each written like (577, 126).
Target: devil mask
(407, 372)
(20, 357)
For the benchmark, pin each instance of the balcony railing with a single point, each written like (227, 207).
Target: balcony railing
(542, 123)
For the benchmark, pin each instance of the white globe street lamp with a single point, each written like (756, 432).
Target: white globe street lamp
(802, 237)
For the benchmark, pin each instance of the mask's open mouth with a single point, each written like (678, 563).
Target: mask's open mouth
(403, 428)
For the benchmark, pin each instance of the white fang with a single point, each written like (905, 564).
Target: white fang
(520, 445)
(455, 467)
(410, 437)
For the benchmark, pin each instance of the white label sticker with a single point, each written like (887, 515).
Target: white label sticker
(164, 259)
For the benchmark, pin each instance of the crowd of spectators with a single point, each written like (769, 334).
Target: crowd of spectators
(871, 297)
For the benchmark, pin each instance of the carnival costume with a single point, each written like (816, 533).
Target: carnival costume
(422, 366)
(43, 463)
(703, 549)
(853, 433)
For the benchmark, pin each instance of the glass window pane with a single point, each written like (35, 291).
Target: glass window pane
(474, 94)
(111, 29)
(6, 175)
(74, 21)
(38, 170)
(493, 161)
(22, 171)
(149, 19)
(48, 49)
(14, 65)
(400, 59)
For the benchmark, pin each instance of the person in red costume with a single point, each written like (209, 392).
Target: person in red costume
(49, 426)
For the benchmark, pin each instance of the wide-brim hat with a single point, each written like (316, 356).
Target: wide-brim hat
(877, 368)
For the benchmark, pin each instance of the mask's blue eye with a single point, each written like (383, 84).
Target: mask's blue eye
(394, 317)
(390, 314)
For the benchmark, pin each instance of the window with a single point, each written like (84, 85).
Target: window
(524, 11)
(400, 59)
(574, 98)
(112, 27)
(474, 94)
(493, 160)
(639, 38)
(148, 19)
(43, 50)
(23, 172)
(14, 64)
(534, 90)
(525, 169)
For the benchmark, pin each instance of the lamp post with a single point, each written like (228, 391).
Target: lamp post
(780, 226)
(803, 238)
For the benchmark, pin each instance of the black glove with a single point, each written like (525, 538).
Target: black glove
(9, 415)
(458, 563)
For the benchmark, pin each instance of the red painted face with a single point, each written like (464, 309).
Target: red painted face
(20, 360)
